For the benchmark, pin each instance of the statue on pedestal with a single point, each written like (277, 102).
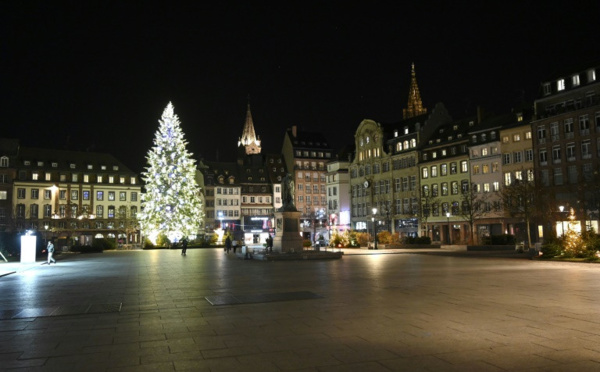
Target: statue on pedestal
(288, 192)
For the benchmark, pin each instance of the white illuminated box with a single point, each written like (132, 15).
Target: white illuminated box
(28, 248)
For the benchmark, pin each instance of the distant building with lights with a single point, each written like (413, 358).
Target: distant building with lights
(241, 196)
(384, 174)
(74, 197)
(306, 155)
(338, 194)
(566, 143)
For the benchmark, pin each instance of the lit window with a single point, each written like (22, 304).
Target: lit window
(575, 80)
(35, 176)
(560, 84)
(591, 75)
(99, 179)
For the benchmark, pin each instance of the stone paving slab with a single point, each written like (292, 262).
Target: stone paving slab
(369, 311)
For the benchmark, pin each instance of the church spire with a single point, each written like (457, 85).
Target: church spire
(249, 139)
(415, 105)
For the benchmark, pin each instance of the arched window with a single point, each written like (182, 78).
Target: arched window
(4, 161)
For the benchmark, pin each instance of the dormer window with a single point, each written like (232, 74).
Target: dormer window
(103, 167)
(4, 161)
(591, 75)
(575, 80)
(405, 130)
(547, 89)
(40, 163)
(54, 165)
(560, 85)
(27, 162)
(115, 167)
(89, 166)
(72, 165)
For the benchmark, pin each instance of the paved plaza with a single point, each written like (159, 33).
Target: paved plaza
(369, 311)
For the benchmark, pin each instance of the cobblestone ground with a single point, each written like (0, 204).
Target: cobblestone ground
(148, 310)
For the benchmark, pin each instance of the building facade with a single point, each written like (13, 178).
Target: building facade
(566, 143)
(306, 155)
(75, 196)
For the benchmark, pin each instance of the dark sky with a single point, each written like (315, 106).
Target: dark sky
(87, 75)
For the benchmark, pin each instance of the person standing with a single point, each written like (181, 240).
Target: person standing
(50, 249)
(184, 244)
(228, 244)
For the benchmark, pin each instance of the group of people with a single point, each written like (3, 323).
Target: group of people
(230, 244)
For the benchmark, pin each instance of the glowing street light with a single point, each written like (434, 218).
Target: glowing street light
(562, 219)
(449, 234)
(374, 228)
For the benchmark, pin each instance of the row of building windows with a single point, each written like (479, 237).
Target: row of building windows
(567, 128)
(432, 171)
(72, 211)
(570, 152)
(85, 194)
(313, 154)
(434, 190)
(256, 199)
(587, 172)
(315, 177)
(316, 189)
(75, 177)
(307, 165)
(308, 200)
(228, 191)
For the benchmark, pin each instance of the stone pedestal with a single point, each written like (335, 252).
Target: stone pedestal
(287, 237)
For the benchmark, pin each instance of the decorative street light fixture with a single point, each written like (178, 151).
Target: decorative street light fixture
(374, 228)
(449, 234)
(562, 219)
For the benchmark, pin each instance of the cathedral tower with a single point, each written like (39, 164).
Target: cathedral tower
(415, 105)
(249, 139)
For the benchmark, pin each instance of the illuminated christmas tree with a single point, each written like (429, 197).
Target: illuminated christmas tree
(573, 243)
(171, 203)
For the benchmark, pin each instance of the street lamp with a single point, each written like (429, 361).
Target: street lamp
(374, 228)
(562, 219)
(449, 234)
(45, 234)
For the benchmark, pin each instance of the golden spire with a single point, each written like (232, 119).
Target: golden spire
(249, 139)
(415, 105)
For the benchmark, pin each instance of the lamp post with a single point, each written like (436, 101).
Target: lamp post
(45, 234)
(562, 219)
(374, 229)
(449, 235)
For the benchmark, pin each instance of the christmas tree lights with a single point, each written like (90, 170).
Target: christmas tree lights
(171, 203)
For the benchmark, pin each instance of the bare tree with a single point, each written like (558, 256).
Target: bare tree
(520, 199)
(426, 207)
(475, 205)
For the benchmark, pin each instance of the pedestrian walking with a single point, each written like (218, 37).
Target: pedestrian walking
(184, 244)
(270, 243)
(228, 244)
(234, 243)
(50, 249)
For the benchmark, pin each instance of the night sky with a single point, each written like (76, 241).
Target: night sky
(97, 77)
